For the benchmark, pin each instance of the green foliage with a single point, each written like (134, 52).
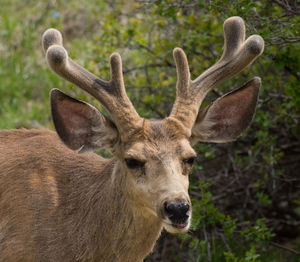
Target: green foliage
(248, 180)
(253, 238)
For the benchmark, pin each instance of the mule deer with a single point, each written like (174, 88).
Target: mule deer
(59, 205)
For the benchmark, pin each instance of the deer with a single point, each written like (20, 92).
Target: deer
(60, 201)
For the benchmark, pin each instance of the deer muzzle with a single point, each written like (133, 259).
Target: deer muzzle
(177, 215)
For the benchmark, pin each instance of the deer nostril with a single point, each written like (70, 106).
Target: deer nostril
(178, 212)
(185, 207)
(170, 208)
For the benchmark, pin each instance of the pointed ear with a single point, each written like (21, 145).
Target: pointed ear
(79, 125)
(229, 116)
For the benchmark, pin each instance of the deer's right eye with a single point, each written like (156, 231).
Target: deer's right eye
(134, 163)
(189, 161)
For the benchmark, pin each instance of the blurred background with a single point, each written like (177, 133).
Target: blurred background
(246, 194)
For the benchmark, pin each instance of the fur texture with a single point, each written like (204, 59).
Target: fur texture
(64, 206)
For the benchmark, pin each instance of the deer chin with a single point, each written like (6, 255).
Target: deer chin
(176, 228)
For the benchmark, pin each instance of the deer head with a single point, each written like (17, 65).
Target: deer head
(155, 156)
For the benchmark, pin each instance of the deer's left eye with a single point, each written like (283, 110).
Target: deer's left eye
(189, 161)
(133, 163)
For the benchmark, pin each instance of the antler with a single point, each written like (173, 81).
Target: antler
(111, 93)
(237, 54)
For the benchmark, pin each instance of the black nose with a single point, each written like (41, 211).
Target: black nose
(177, 212)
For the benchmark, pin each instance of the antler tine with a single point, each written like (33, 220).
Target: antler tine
(111, 93)
(183, 72)
(237, 54)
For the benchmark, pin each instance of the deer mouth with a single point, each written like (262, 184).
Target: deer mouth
(180, 225)
(176, 227)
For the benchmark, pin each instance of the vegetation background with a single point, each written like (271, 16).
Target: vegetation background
(246, 194)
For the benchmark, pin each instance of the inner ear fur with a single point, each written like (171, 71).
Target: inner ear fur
(79, 125)
(229, 116)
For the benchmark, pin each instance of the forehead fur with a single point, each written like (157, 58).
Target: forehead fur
(159, 136)
(159, 130)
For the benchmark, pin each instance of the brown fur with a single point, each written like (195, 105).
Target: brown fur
(64, 206)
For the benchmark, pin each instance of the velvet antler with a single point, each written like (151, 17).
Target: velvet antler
(111, 93)
(237, 54)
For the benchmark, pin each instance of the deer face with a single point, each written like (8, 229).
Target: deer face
(156, 156)
(157, 163)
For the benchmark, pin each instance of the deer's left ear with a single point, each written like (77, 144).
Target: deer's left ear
(229, 116)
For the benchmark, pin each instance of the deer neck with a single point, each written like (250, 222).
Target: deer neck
(114, 226)
(138, 229)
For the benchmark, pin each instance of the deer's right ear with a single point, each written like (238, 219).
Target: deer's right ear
(79, 125)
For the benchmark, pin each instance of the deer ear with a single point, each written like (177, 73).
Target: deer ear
(79, 125)
(229, 116)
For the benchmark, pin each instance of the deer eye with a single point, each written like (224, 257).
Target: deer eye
(134, 163)
(189, 161)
